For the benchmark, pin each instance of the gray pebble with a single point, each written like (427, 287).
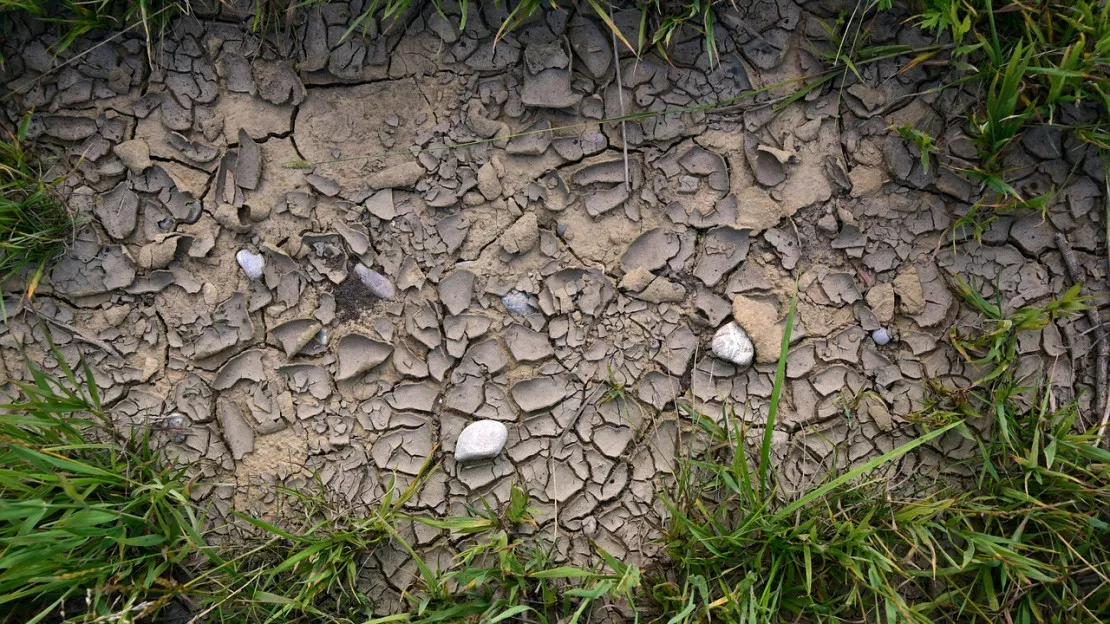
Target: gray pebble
(378, 284)
(177, 424)
(517, 303)
(881, 336)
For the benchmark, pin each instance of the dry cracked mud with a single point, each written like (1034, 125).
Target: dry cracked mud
(451, 231)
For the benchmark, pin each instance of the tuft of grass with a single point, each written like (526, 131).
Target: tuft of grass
(1028, 540)
(85, 518)
(504, 573)
(922, 140)
(1034, 63)
(34, 223)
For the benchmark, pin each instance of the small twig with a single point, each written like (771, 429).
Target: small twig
(620, 98)
(1106, 409)
(100, 344)
(1102, 352)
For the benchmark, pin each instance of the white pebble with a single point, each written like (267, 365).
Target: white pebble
(252, 263)
(376, 282)
(481, 440)
(880, 336)
(731, 343)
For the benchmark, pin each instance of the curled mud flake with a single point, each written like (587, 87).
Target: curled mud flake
(549, 88)
(533, 395)
(248, 164)
(880, 299)
(907, 285)
(326, 254)
(584, 290)
(527, 345)
(236, 432)
(521, 236)
(419, 397)
(401, 176)
(246, 365)
(380, 204)
(253, 264)
(732, 343)
(164, 249)
(651, 250)
(379, 285)
(298, 204)
(118, 210)
(308, 378)
(677, 350)
(293, 336)
(481, 440)
(231, 327)
(193, 399)
(456, 290)
(357, 354)
(662, 290)
(357, 237)
(135, 155)
(722, 249)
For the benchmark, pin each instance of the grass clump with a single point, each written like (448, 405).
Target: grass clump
(98, 528)
(1044, 63)
(89, 524)
(34, 223)
(1026, 540)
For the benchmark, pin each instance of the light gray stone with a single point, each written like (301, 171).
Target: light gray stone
(481, 440)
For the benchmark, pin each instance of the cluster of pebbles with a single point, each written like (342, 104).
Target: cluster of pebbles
(313, 258)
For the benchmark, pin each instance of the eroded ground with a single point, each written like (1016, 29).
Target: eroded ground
(546, 280)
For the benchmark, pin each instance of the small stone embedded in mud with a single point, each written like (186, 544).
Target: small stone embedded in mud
(481, 440)
(517, 303)
(253, 264)
(177, 424)
(378, 284)
(731, 343)
(881, 336)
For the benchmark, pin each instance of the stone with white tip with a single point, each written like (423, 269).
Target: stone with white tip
(253, 264)
(481, 440)
(732, 343)
(378, 284)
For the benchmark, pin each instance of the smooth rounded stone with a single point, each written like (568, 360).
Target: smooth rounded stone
(252, 263)
(481, 440)
(881, 336)
(732, 343)
(517, 303)
(378, 284)
(177, 423)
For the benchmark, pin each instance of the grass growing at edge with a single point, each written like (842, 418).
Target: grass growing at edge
(1028, 540)
(93, 524)
(99, 524)
(34, 224)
